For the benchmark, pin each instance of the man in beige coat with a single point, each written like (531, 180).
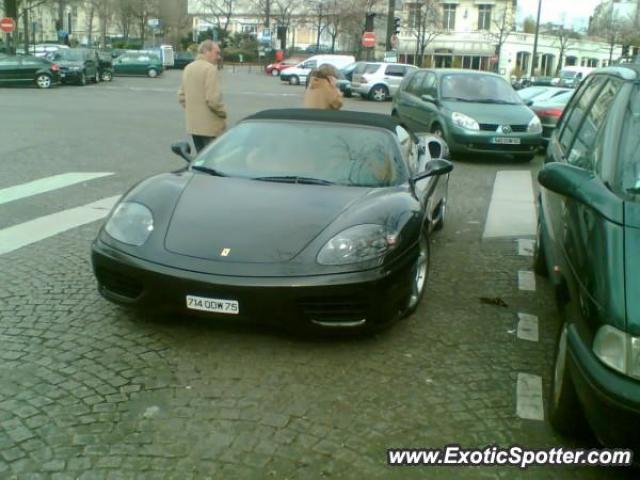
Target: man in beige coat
(322, 91)
(201, 97)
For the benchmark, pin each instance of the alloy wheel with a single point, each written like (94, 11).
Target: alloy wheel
(379, 94)
(421, 270)
(153, 73)
(43, 81)
(274, 72)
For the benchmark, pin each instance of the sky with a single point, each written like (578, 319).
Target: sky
(574, 12)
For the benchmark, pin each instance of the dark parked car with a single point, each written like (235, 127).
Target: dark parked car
(588, 242)
(21, 69)
(77, 65)
(475, 112)
(550, 111)
(138, 64)
(310, 218)
(182, 59)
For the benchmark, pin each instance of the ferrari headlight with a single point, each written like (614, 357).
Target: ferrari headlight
(357, 244)
(130, 223)
(464, 121)
(534, 125)
(618, 350)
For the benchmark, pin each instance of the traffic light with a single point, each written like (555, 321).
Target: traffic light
(396, 25)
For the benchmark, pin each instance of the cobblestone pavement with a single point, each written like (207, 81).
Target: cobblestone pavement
(91, 391)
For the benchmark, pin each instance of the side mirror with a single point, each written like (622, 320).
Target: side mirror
(582, 186)
(529, 103)
(433, 168)
(183, 149)
(429, 99)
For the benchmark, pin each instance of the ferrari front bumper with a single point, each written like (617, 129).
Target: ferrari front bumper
(371, 297)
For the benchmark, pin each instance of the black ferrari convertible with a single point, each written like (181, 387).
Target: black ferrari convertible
(300, 217)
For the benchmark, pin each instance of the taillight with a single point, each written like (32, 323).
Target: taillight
(550, 112)
(54, 68)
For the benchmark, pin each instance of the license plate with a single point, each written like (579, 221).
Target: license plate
(507, 141)
(214, 305)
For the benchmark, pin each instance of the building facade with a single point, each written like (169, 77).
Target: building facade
(481, 35)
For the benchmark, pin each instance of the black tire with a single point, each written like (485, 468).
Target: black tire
(565, 411)
(348, 94)
(43, 81)
(418, 285)
(379, 93)
(539, 253)
(294, 80)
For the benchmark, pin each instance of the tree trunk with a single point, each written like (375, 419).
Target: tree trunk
(25, 18)
(90, 25)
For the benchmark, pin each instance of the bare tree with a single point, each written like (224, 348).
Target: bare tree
(25, 7)
(220, 11)
(529, 25)
(123, 15)
(142, 11)
(564, 39)
(425, 22)
(611, 26)
(503, 24)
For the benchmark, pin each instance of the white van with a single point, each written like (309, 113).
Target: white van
(298, 75)
(571, 76)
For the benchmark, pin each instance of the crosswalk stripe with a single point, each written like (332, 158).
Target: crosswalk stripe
(525, 247)
(529, 397)
(47, 184)
(18, 236)
(526, 281)
(528, 327)
(512, 209)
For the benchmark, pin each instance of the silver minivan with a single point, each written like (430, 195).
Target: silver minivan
(379, 81)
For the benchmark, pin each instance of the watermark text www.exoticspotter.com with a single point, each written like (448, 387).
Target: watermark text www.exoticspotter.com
(515, 455)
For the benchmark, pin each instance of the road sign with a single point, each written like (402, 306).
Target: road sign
(7, 25)
(369, 39)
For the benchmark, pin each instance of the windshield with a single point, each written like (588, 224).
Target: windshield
(469, 87)
(568, 74)
(531, 92)
(338, 154)
(73, 55)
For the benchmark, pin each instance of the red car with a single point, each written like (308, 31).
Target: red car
(274, 69)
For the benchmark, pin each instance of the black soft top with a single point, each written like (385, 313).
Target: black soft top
(332, 116)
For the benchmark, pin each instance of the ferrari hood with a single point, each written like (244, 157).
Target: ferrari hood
(240, 220)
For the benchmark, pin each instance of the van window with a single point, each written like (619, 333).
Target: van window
(396, 70)
(310, 64)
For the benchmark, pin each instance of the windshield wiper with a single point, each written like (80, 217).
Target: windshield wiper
(295, 179)
(492, 100)
(208, 170)
(458, 99)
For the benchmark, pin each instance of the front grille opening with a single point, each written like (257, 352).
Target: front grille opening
(119, 284)
(333, 309)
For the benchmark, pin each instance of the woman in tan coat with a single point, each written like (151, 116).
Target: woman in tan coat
(322, 91)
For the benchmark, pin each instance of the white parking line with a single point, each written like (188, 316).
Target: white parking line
(525, 247)
(18, 236)
(512, 209)
(526, 281)
(529, 397)
(47, 184)
(528, 327)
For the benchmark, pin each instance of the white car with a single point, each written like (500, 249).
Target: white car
(379, 81)
(298, 75)
(42, 49)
